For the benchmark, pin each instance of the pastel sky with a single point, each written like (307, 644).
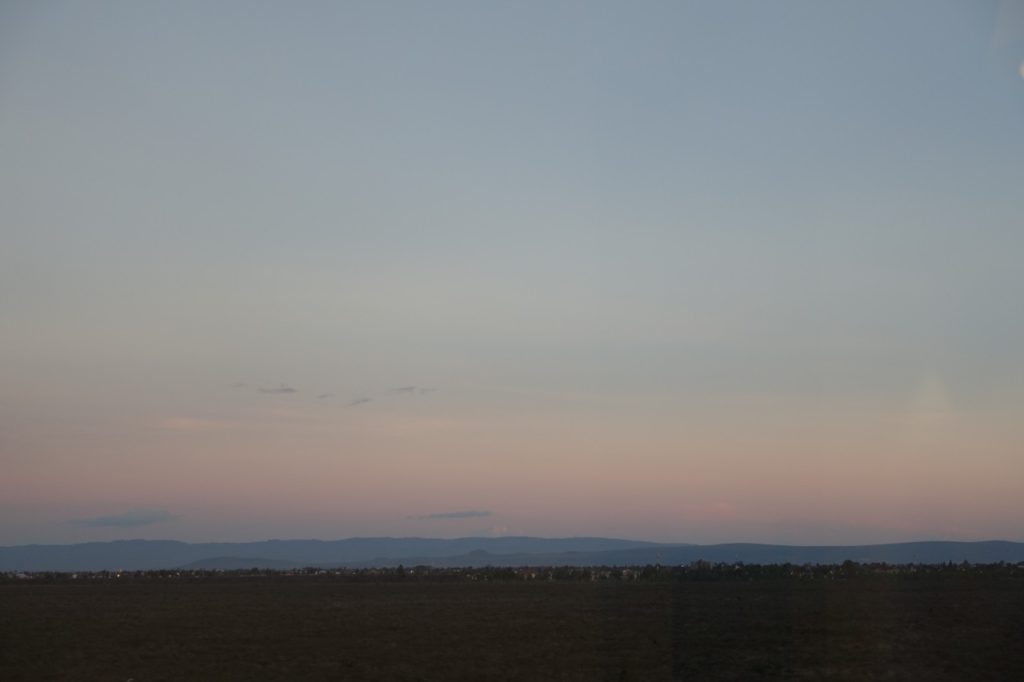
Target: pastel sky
(685, 271)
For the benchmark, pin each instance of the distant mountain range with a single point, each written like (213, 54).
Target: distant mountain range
(156, 554)
(472, 552)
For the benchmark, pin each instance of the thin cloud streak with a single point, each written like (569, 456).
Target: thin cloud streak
(282, 389)
(468, 514)
(413, 389)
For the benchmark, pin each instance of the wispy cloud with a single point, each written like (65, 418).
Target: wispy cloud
(413, 389)
(359, 401)
(283, 388)
(130, 519)
(468, 514)
(324, 396)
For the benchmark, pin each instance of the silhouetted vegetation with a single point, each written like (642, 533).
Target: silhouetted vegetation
(698, 570)
(699, 621)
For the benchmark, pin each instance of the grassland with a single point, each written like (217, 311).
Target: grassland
(946, 626)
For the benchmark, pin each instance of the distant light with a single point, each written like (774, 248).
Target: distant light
(1020, 69)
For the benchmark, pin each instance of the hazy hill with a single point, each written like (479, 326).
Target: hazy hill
(899, 553)
(234, 563)
(154, 554)
(510, 551)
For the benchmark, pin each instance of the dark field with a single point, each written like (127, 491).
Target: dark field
(940, 627)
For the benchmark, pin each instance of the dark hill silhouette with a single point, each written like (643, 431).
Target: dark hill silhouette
(156, 554)
(899, 553)
(234, 563)
(508, 551)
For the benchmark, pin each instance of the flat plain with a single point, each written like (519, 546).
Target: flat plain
(948, 626)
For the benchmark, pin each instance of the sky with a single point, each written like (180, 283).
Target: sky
(678, 271)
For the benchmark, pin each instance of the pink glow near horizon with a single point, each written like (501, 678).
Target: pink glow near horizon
(349, 472)
(368, 269)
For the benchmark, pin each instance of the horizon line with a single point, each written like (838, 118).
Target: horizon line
(506, 537)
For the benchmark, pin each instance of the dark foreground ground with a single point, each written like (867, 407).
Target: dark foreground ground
(940, 627)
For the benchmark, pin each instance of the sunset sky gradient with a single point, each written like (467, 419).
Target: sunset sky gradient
(679, 271)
